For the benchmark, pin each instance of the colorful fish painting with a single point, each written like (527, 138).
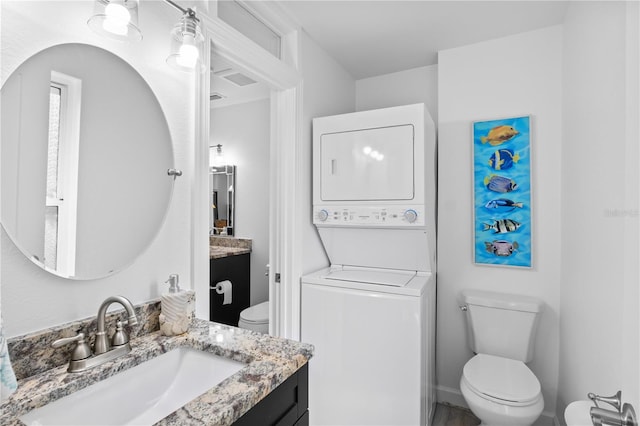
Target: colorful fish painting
(501, 248)
(502, 226)
(499, 135)
(502, 205)
(501, 184)
(503, 159)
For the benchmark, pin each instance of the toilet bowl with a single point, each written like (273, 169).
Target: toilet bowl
(501, 391)
(255, 318)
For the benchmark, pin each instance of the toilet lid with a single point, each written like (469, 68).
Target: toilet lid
(501, 378)
(258, 313)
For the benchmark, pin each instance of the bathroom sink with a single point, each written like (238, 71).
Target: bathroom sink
(140, 395)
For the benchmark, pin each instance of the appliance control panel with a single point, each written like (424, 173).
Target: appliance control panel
(383, 216)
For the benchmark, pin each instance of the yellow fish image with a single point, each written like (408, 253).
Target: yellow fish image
(499, 135)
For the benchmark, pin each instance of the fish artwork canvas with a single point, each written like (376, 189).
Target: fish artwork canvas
(502, 192)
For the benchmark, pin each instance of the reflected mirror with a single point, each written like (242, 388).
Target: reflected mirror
(222, 199)
(85, 153)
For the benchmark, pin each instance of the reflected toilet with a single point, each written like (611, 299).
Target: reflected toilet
(255, 318)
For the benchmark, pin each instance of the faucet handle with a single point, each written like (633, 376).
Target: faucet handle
(120, 337)
(81, 350)
(613, 400)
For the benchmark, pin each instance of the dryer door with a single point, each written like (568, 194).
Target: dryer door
(370, 164)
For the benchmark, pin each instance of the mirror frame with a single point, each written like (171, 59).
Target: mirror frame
(230, 172)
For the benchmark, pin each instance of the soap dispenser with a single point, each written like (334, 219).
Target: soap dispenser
(177, 308)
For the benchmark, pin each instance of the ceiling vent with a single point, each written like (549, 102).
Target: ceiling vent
(216, 96)
(239, 79)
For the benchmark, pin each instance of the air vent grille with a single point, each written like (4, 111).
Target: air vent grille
(239, 79)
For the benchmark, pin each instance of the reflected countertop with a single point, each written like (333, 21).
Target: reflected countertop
(228, 246)
(270, 361)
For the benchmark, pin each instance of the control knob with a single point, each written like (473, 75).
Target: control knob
(323, 215)
(410, 215)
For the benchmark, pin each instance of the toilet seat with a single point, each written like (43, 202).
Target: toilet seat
(501, 380)
(256, 315)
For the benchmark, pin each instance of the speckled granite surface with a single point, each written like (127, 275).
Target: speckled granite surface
(270, 361)
(32, 353)
(228, 246)
(232, 242)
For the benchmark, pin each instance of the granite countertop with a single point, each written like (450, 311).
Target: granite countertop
(217, 252)
(270, 361)
(228, 246)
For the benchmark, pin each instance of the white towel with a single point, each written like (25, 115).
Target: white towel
(8, 382)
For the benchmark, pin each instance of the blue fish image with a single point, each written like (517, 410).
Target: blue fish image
(502, 205)
(501, 184)
(503, 159)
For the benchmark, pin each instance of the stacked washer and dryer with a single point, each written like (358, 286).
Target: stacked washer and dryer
(371, 313)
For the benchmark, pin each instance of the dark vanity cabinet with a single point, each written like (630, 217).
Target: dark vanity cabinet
(237, 270)
(286, 405)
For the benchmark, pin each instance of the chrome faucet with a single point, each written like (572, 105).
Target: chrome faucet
(82, 358)
(102, 341)
(624, 415)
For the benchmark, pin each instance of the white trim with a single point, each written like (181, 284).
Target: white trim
(68, 158)
(199, 183)
(285, 247)
(451, 396)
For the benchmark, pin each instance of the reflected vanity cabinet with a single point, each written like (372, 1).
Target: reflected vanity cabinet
(237, 270)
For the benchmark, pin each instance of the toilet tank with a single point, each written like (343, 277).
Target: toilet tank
(501, 324)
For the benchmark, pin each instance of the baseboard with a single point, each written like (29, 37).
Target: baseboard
(450, 396)
(454, 397)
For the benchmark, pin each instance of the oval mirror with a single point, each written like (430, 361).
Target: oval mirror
(85, 153)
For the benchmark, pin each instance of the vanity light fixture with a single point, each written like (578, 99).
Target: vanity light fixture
(186, 42)
(116, 19)
(216, 158)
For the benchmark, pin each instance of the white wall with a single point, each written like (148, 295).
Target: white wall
(599, 323)
(416, 85)
(328, 90)
(511, 76)
(33, 299)
(243, 131)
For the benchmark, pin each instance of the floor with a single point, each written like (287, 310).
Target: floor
(450, 415)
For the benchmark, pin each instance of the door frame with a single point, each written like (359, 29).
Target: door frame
(286, 114)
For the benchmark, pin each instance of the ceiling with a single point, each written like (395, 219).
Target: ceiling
(375, 37)
(370, 38)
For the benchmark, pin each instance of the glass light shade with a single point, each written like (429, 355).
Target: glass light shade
(216, 157)
(186, 45)
(116, 19)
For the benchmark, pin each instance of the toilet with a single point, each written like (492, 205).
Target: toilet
(255, 318)
(496, 383)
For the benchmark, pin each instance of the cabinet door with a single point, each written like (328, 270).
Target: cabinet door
(236, 269)
(286, 405)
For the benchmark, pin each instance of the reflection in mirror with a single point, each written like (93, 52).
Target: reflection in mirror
(85, 153)
(222, 199)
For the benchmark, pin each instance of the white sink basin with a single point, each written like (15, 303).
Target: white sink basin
(141, 395)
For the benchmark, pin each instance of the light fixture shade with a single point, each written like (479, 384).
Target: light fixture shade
(116, 19)
(187, 44)
(216, 157)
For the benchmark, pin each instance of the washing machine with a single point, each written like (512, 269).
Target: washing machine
(371, 313)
